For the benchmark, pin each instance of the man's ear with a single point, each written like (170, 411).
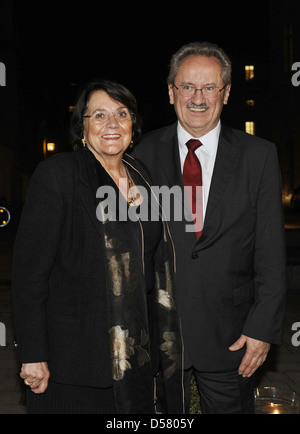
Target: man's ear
(171, 94)
(227, 94)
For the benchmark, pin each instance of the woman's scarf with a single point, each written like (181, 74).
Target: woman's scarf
(135, 390)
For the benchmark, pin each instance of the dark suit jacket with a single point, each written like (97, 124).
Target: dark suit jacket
(233, 280)
(58, 276)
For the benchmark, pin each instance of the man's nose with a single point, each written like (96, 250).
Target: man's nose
(198, 97)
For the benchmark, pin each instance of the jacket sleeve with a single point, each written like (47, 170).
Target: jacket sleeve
(265, 320)
(34, 255)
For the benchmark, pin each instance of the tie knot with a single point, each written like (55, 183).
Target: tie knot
(193, 145)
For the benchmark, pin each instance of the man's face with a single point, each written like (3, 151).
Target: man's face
(198, 114)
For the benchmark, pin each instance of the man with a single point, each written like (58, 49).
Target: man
(231, 275)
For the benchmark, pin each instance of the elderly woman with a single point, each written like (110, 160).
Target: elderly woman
(96, 324)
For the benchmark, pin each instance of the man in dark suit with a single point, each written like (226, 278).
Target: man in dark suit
(231, 270)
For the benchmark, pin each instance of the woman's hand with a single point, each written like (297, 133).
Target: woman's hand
(36, 376)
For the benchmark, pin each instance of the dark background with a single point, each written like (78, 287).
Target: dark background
(51, 49)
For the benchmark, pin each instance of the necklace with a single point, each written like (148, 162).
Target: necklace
(133, 197)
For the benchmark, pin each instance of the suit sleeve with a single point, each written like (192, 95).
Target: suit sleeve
(34, 255)
(265, 320)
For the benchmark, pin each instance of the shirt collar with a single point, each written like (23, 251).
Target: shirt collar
(209, 141)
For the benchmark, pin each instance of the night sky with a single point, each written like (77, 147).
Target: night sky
(129, 43)
(65, 43)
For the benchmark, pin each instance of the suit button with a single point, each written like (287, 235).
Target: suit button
(195, 255)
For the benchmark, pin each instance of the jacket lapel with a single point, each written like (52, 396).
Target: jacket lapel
(168, 153)
(226, 163)
(85, 189)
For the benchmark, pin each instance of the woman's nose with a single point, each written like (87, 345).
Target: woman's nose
(112, 121)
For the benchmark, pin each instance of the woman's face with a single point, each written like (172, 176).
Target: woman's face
(108, 127)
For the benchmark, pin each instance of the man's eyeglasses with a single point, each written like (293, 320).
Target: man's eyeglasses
(210, 91)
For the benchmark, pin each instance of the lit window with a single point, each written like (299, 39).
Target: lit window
(250, 103)
(50, 147)
(249, 72)
(250, 128)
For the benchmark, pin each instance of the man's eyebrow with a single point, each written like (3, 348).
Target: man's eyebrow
(191, 84)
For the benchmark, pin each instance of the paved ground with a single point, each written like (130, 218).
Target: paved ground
(281, 369)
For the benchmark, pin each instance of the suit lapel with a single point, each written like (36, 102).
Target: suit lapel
(85, 189)
(226, 163)
(168, 153)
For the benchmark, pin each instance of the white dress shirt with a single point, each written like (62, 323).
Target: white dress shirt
(206, 155)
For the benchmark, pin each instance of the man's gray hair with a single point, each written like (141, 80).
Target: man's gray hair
(206, 49)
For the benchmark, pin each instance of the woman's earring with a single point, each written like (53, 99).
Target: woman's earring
(83, 142)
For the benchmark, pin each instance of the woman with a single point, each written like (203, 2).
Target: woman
(96, 325)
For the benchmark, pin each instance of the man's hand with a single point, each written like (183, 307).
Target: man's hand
(36, 376)
(256, 354)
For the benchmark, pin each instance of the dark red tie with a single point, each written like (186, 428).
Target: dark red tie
(192, 177)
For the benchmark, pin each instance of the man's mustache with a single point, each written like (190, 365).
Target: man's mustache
(198, 107)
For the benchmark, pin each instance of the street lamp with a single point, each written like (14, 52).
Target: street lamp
(48, 148)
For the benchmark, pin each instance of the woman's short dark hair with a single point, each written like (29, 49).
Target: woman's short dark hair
(117, 92)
